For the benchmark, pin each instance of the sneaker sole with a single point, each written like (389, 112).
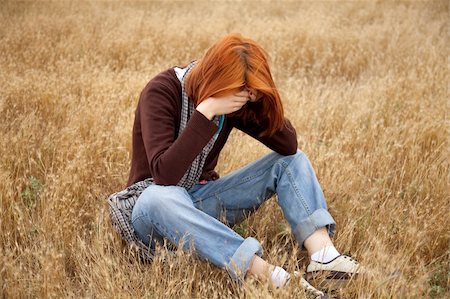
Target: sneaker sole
(330, 280)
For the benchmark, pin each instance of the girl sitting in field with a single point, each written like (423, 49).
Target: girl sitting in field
(183, 119)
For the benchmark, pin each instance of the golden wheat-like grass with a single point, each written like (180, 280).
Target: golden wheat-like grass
(365, 84)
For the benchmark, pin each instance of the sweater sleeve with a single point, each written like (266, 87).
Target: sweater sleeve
(283, 141)
(169, 157)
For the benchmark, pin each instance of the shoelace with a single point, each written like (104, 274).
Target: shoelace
(350, 259)
(357, 266)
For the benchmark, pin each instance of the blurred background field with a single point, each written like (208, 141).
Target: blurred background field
(365, 83)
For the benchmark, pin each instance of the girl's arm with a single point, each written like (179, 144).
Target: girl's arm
(284, 141)
(170, 157)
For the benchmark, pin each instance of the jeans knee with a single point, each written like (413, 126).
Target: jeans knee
(298, 155)
(298, 164)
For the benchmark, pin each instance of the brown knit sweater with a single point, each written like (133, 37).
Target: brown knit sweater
(159, 154)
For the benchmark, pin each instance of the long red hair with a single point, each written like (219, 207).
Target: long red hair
(230, 65)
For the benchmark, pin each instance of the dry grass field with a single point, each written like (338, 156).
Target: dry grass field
(365, 84)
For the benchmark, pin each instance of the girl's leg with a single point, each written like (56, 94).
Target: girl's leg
(317, 240)
(292, 178)
(300, 197)
(168, 212)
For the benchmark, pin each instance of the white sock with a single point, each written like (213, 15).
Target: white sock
(279, 277)
(326, 254)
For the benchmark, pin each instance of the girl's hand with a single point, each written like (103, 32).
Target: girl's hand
(223, 105)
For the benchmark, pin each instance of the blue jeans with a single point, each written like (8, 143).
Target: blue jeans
(202, 216)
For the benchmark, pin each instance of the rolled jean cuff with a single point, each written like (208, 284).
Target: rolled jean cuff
(320, 218)
(240, 261)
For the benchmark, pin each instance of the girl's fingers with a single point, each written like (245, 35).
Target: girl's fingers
(241, 101)
(242, 93)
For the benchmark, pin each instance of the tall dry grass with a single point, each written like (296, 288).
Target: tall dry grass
(365, 84)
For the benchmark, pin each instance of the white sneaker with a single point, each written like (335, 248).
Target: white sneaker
(310, 291)
(335, 274)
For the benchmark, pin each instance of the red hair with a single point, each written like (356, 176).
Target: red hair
(230, 65)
